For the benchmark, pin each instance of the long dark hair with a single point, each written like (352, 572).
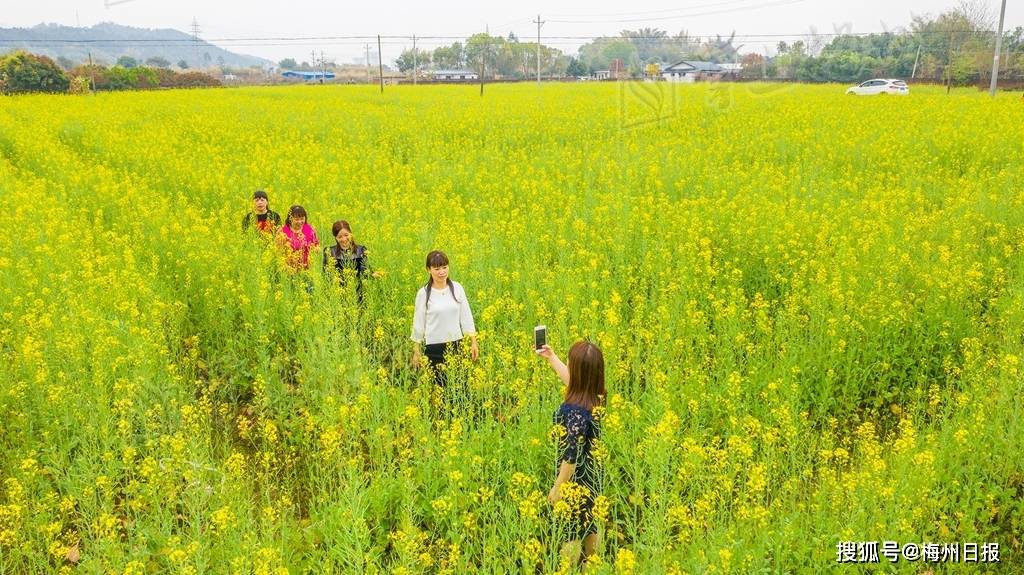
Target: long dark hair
(343, 225)
(586, 376)
(436, 259)
(296, 211)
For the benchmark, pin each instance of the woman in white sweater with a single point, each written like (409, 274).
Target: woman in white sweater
(442, 317)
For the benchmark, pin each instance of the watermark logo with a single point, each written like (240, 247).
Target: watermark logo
(646, 103)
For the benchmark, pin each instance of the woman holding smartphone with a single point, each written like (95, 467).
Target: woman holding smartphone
(442, 318)
(584, 381)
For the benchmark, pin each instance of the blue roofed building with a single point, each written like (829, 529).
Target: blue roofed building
(313, 76)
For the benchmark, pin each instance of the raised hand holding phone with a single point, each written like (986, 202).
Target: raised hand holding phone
(542, 349)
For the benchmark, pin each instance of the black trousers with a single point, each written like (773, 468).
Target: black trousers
(435, 353)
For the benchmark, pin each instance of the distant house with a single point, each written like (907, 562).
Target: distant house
(617, 72)
(732, 69)
(308, 76)
(453, 75)
(691, 71)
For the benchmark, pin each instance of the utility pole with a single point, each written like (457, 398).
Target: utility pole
(913, 72)
(415, 61)
(483, 58)
(380, 64)
(323, 68)
(367, 63)
(995, 57)
(92, 72)
(539, 23)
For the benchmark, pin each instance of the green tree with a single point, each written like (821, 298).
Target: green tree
(523, 58)
(24, 72)
(183, 64)
(480, 52)
(598, 55)
(96, 74)
(288, 64)
(753, 66)
(138, 78)
(721, 49)
(158, 62)
(957, 39)
(449, 57)
(576, 68)
(647, 42)
(127, 62)
(410, 59)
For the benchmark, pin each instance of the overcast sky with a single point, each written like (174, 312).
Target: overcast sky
(565, 20)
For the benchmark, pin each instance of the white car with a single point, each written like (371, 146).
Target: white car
(880, 86)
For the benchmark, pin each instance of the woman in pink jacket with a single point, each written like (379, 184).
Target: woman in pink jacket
(297, 238)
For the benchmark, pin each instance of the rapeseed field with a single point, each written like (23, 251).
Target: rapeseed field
(811, 307)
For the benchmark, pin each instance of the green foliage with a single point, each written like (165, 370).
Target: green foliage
(79, 85)
(142, 78)
(652, 45)
(576, 68)
(599, 54)
(195, 80)
(410, 59)
(449, 57)
(139, 78)
(480, 50)
(22, 72)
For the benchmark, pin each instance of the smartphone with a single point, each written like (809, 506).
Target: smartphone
(540, 336)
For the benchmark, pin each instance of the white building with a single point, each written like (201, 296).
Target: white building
(691, 71)
(454, 75)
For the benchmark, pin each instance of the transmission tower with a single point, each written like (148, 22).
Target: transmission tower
(195, 39)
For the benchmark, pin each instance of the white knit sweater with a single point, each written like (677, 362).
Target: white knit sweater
(445, 319)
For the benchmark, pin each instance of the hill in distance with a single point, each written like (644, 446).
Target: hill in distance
(108, 41)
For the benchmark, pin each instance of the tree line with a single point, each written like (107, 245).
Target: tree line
(23, 72)
(954, 48)
(490, 57)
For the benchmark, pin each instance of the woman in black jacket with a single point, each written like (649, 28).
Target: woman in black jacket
(345, 258)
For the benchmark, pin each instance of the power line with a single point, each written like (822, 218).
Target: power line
(662, 11)
(681, 16)
(283, 40)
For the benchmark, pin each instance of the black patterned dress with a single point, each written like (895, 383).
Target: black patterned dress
(575, 446)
